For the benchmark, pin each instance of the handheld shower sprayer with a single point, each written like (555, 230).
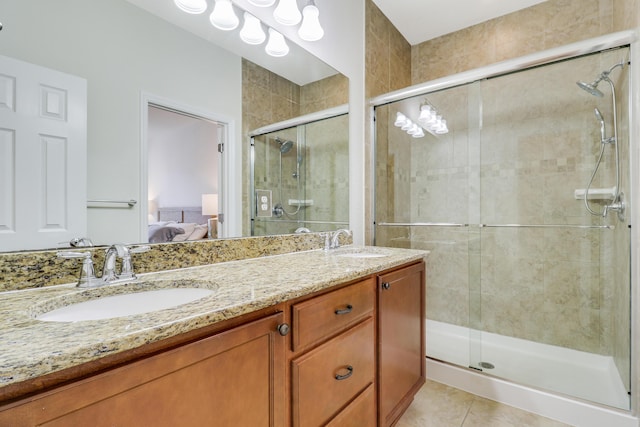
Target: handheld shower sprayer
(603, 138)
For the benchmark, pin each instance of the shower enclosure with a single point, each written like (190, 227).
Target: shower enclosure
(299, 175)
(524, 205)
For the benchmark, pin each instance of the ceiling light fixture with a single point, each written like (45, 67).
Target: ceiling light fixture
(310, 29)
(287, 13)
(194, 7)
(252, 32)
(276, 46)
(223, 17)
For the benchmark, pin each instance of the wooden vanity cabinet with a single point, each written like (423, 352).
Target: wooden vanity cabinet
(333, 359)
(401, 340)
(233, 378)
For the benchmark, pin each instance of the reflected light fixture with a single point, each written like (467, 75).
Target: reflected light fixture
(310, 29)
(262, 3)
(276, 46)
(223, 17)
(252, 32)
(287, 13)
(194, 7)
(431, 120)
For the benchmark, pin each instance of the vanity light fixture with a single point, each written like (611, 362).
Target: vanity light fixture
(194, 7)
(310, 29)
(262, 3)
(431, 121)
(407, 125)
(287, 13)
(223, 17)
(276, 46)
(252, 32)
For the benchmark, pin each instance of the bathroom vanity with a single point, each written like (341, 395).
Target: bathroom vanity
(340, 342)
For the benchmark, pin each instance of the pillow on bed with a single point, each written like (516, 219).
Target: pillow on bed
(188, 229)
(163, 233)
(199, 232)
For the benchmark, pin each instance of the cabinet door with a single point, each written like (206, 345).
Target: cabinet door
(235, 378)
(401, 341)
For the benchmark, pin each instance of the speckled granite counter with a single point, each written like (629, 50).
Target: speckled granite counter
(32, 348)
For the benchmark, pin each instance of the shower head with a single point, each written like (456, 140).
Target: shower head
(592, 88)
(285, 145)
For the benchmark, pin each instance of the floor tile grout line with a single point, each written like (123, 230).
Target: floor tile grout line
(467, 413)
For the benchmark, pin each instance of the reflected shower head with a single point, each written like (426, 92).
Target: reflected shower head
(592, 88)
(285, 145)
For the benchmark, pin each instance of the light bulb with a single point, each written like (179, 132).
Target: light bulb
(252, 32)
(414, 129)
(418, 134)
(191, 6)
(310, 30)
(407, 125)
(276, 46)
(223, 17)
(400, 119)
(442, 128)
(262, 3)
(287, 13)
(425, 113)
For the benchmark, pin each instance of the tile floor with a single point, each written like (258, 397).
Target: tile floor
(437, 405)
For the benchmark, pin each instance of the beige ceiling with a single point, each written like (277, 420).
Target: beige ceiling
(421, 20)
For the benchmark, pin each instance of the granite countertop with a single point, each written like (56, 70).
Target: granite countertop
(32, 348)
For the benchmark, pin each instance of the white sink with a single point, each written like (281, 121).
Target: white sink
(362, 255)
(125, 305)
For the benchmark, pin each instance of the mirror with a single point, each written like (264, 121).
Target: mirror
(125, 53)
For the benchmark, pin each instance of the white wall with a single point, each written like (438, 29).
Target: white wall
(182, 159)
(121, 51)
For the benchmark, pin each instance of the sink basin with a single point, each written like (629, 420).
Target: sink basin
(362, 255)
(125, 304)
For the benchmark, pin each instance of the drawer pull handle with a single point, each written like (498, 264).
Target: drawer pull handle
(347, 375)
(386, 285)
(347, 310)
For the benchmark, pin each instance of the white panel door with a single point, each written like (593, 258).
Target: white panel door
(43, 151)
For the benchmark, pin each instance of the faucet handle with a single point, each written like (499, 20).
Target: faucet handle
(127, 267)
(87, 277)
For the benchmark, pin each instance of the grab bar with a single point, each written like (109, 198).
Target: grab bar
(131, 202)
(420, 224)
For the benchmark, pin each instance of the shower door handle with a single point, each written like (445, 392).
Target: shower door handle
(386, 286)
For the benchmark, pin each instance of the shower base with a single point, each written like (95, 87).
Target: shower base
(575, 373)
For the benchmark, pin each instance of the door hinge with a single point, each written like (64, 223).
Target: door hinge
(220, 147)
(221, 217)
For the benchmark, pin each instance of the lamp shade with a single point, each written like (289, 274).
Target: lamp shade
(191, 6)
(276, 46)
(223, 17)
(287, 13)
(209, 204)
(252, 32)
(310, 30)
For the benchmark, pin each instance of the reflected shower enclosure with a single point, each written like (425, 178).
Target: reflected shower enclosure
(299, 177)
(524, 205)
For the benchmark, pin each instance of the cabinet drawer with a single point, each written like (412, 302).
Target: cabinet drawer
(327, 378)
(360, 413)
(328, 314)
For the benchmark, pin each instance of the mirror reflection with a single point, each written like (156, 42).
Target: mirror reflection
(144, 55)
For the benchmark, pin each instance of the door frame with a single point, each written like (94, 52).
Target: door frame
(227, 187)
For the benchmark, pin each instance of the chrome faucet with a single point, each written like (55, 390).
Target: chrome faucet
(126, 271)
(88, 277)
(335, 237)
